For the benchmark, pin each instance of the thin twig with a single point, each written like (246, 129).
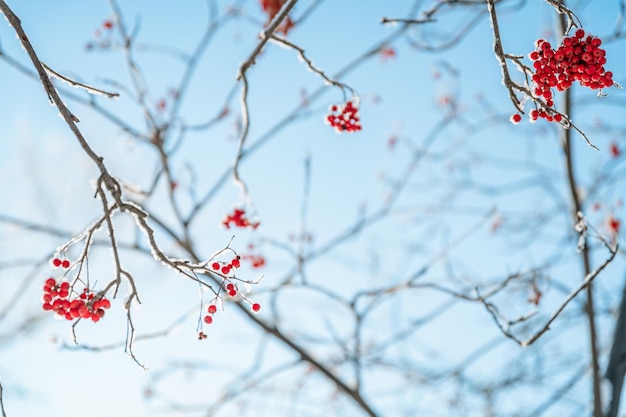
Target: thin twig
(74, 83)
(386, 20)
(533, 338)
(265, 36)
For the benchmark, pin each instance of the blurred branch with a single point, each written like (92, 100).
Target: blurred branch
(386, 20)
(4, 414)
(505, 327)
(616, 368)
(576, 215)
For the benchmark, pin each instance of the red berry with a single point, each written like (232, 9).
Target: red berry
(235, 263)
(256, 307)
(212, 309)
(580, 33)
(225, 269)
(232, 293)
(516, 118)
(65, 264)
(84, 311)
(215, 266)
(56, 262)
(208, 319)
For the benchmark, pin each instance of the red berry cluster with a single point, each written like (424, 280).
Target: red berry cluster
(56, 297)
(344, 118)
(576, 59)
(226, 267)
(57, 262)
(272, 7)
(212, 309)
(104, 40)
(256, 261)
(231, 289)
(238, 218)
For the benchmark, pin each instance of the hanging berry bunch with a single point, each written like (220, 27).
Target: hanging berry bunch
(238, 219)
(62, 298)
(344, 118)
(577, 59)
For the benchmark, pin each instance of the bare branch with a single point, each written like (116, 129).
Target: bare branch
(74, 83)
(505, 327)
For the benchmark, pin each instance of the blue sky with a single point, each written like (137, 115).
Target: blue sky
(46, 178)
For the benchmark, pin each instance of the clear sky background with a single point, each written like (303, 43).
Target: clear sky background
(479, 169)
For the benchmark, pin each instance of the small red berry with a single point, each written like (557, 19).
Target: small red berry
(256, 307)
(215, 266)
(212, 309)
(615, 150)
(208, 319)
(516, 118)
(56, 262)
(232, 293)
(65, 264)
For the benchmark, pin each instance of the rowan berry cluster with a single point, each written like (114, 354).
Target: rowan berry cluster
(576, 59)
(58, 262)
(256, 261)
(238, 218)
(212, 308)
(102, 36)
(272, 7)
(344, 118)
(59, 297)
(226, 267)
